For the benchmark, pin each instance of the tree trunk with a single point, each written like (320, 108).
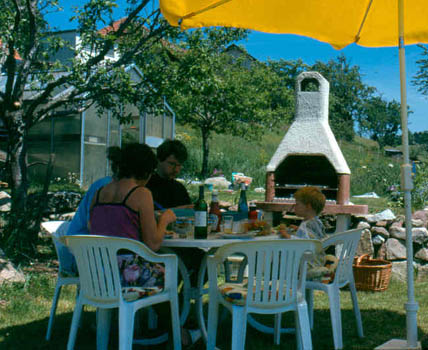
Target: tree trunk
(17, 240)
(205, 152)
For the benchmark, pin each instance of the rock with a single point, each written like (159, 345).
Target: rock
(398, 232)
(218, 182)
(8, 273)
(380, 231)
(259, 190)
(421, 215)
(386, 215)
(378, 240)
(381, 253)
(399, 270)
(395, 249)
(365, 245)
(5, 201)
(363, 225)
(422, 273)
(422, 254)
(382, 223)
(398, 223)
(419, 235)
(418, 223)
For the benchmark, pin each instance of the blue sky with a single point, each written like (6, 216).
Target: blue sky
(378, 66)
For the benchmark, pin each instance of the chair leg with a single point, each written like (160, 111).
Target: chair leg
(126, 327)
(277, 329)
(303, 330)
(310, 302)
(74, 324)
(212, 323)
(239, 327)
(298, 331)
(175, 319)
(336, 317)
(103, 328)
(357, 312)
(53, 309)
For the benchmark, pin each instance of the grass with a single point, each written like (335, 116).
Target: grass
(24, 314)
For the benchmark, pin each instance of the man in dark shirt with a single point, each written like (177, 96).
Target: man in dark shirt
(168, 192)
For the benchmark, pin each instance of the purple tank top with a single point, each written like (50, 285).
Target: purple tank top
(115, 219)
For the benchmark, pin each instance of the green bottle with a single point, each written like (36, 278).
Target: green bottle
(201, 216)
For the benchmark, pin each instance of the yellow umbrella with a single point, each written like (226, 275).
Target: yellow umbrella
(372, 23)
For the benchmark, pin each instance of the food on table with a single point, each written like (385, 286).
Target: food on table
(262, 227)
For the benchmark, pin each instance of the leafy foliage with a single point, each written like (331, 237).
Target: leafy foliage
(381, 120)
(347, 93)
(215, 92)
(38, 83)
(421, 77)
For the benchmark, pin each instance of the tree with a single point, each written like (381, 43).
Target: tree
(421, 77)
(214, 92)
(381, 120)
(86, 79)
(347, 92)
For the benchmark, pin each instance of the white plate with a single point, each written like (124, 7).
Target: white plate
(238, 235)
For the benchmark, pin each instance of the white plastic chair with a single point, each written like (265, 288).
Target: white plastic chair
(276, 283)
(346, 245)
(96, 258)
(58, 229)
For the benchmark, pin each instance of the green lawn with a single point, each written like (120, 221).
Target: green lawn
(24, 313)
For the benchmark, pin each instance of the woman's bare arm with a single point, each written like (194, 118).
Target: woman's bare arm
(152, 232)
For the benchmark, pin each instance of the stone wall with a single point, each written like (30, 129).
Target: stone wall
(384, 237)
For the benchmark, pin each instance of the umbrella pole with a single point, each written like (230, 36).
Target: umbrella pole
(406, 183)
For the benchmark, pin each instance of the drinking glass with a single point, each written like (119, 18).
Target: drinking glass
(228, 224)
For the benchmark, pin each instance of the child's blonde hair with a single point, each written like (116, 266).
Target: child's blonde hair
(311, 195)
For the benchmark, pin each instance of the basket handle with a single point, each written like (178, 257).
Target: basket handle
(361, 258)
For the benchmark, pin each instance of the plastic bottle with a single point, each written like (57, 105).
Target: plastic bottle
(201, 217)
(252, 214)
(215, 212)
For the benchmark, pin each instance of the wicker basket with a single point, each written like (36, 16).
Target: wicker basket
(371, 274)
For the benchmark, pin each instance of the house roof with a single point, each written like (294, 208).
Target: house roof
(112, 28)
(15, 54)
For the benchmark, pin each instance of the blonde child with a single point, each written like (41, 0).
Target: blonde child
(309, 204)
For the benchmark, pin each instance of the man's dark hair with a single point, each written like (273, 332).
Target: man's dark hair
(172, 147)
(135, 160)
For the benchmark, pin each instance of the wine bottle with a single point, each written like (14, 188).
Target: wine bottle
(242, 203)
(215, 213)
(201, 218)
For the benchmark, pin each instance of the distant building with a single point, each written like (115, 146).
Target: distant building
(79, 138)
(238, 52)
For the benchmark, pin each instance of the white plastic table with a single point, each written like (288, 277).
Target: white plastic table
(197, 292)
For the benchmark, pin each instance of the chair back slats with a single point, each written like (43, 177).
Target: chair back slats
(346, 244)
(274, 269)
(98, 270)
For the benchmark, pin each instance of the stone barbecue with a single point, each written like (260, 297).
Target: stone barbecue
(309, 155)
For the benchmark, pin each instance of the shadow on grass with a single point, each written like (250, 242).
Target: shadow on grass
(379, 327)
(32, 335)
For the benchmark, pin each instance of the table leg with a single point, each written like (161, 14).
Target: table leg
(199, 298)
(184, 307)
